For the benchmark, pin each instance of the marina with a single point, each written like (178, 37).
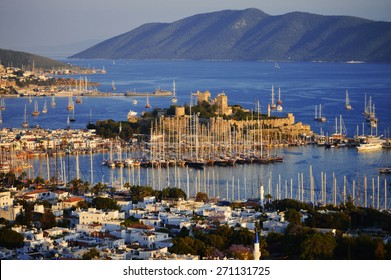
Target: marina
(302, 175)
(212, 158)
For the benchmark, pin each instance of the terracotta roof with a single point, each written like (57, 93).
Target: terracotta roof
(38, 191)
(59, 191)
(74, 199)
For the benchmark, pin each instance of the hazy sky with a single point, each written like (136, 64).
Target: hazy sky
(52, 27)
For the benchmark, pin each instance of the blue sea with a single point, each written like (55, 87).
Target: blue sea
(303, 86)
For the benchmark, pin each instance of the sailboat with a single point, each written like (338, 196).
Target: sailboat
(113, 85)
(372, 118)
(279, 102)
(340, 132)
(68, 123)
(91, 124)
(368, 108)
(134, 101)
(73, 119)
(1, 117)
(45, 108)
(36, 111)
(53, 102)
(2, 104)
(385, 167)
(369, 112)
(273, 105)
(25, 123)
(276, 66)
(70, 103)
(318, 115)
(347, 104)
(78, 100)
(147, 105)
(174, 99)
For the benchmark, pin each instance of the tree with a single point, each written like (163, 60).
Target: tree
(78, 187)
(98, 188)
(26, 218)
(318, 246)
(380, 251)
(200, 196)
(293, 216)
(364, 248)
(240, 252)
(137, 193)
(189, 245)
(105, 203)
(183, 232)
(268, 197)
(173, 193)
(91, 254)
(10, 239)
(48, 220)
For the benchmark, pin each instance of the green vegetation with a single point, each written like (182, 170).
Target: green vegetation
(224, 240)
(10, 239)
(111, 129)
(201, 196)
(137, 193)
(290, 37)
(48, 220)
(19, 59)
(105, 203)
(172, 193)
(91, 254)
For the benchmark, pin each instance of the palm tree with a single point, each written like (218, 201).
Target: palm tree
(268, 197)
(22, 175)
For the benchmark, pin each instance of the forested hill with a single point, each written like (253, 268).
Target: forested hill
(19, 59)
(252, 35)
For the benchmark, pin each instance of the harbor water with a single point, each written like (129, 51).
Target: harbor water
(303, 86)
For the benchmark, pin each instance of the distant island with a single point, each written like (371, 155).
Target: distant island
(22, 59)
(252, 35)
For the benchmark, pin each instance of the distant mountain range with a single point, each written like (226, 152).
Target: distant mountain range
(19, 59)
(252, 35)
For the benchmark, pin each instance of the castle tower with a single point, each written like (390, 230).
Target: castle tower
(221, 102)
(256, 252)
(203, 96)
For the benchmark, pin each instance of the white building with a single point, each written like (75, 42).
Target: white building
(5, 200)
(40, 194)
(11, 212)
(92, 215)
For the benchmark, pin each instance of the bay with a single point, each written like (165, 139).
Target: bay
(303, 85)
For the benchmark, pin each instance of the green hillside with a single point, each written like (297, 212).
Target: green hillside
(19, 59)
(252, 35)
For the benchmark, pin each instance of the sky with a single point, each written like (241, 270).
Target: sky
(60, 28)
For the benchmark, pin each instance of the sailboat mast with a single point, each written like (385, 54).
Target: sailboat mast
(272, 94)
(340, 124)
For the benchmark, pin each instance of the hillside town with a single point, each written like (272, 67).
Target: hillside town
(40, 220)
(31, 81)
